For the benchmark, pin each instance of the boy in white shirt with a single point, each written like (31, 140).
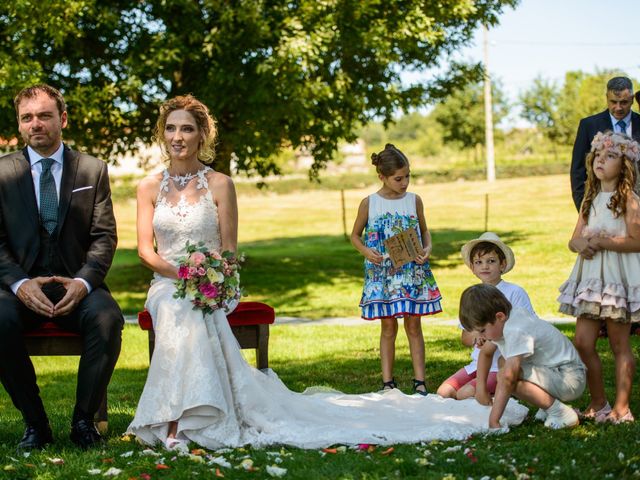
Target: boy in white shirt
(541, 367)
(489, 258)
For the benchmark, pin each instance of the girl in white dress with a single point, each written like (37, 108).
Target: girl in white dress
(605, 281)
(199, 387)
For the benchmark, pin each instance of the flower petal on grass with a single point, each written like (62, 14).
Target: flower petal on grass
(276, 471)
(147, 452)
(126, 454)
(220, 461)
(162, 466)
(56, 461)
(219, 473)
(94, 471)
(329, 450)
(112, 472)
(388, 451)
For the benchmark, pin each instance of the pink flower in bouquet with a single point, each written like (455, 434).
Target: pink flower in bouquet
(201, 272)
(193, 271)
(208, 290)
(183, 272)
(216, 255)
(197, 258)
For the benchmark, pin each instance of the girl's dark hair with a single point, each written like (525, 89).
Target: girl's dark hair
(389, 160)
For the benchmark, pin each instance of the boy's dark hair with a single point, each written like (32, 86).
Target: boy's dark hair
(389, 160)
(479, 305)
(33, 91)
(483, 248)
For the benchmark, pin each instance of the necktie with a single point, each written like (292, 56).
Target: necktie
(622, 125)
(48, 197)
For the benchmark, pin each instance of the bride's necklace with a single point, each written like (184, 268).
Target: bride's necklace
(182, 180)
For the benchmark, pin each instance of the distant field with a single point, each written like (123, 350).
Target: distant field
(299, 261)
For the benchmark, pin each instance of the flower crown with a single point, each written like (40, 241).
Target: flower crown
(617, 143)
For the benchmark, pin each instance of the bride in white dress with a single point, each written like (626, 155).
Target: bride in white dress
(199, 387)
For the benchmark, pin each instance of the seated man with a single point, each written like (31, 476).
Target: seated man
(57, 241)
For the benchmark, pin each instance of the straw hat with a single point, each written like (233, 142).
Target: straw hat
(491, 238)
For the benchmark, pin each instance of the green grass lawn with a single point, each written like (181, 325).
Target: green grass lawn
(341, 357)
(299, 261)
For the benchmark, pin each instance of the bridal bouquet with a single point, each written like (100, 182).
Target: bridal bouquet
(210, 279)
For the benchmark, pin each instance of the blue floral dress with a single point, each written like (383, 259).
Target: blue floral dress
(390, 292)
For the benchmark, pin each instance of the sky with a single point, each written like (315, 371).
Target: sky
(550, 37)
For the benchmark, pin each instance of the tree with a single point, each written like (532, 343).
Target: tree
(462, 113)
(540, 107)
(274, 73)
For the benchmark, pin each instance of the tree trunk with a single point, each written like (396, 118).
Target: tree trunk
(222, 162)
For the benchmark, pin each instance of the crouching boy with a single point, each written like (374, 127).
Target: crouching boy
(541, 366)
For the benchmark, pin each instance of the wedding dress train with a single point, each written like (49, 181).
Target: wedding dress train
(199, 378)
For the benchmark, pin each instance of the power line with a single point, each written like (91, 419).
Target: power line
(565, 44)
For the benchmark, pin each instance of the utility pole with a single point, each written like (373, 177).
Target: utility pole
(488, 111)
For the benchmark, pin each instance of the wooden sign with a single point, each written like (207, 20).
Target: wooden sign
(403, 247)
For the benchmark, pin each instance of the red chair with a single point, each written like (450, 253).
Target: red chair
(249, 322)
(49, 339)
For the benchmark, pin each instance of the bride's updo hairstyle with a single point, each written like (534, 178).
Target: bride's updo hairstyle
(389, 160)
(205, 122)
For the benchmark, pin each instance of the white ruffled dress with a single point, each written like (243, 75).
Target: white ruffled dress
(607, 285)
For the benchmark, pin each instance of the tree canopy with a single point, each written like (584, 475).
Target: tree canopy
(301, 73)
(462, 113)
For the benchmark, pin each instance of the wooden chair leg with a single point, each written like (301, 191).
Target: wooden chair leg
(262, 351)
(101, 418)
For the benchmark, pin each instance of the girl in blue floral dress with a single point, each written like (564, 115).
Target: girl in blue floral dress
(389, 293)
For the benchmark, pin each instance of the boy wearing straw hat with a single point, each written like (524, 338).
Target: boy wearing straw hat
(488, 258)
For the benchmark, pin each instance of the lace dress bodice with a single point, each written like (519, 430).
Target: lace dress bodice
(185, 211)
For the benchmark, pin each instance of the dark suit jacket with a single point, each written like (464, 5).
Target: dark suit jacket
(582, 146)
(86, 225)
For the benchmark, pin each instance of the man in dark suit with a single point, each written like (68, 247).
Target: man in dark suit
(57, 241)
(618, 118)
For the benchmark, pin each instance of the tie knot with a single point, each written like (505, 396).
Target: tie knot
(623, 125)
(46, 164)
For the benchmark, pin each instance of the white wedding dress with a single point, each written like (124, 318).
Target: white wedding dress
(199, 378)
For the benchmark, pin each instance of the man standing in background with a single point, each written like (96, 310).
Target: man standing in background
(618, 118)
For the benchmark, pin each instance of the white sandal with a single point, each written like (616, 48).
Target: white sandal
(176, 445)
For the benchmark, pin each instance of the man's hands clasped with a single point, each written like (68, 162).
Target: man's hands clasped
(31, 295)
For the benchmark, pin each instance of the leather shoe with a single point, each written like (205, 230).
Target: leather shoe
(84, 434)
(35, 438)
